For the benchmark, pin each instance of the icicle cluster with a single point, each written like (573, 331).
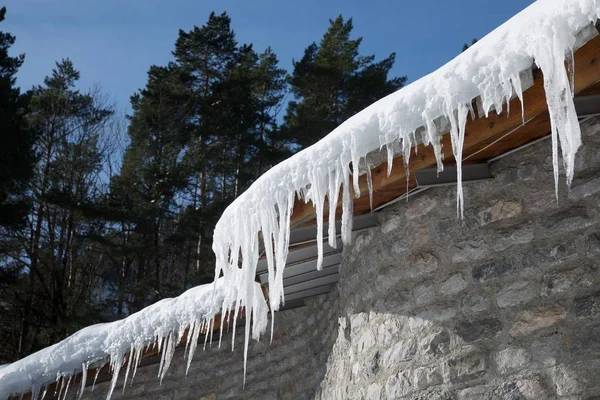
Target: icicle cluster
(543, 34)
(161, 326)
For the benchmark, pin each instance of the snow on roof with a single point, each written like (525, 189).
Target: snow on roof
(543, 34)
(162, 324)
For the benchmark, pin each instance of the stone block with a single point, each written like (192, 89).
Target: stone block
(436, 344)
(593, 245)
(529, 321)
(512, 237)
(465, 368)
(468, 251)
(454, 284)
(471, 331)
(422, 264)
(424, 293)
(511, 360)
(420, 206)
(585, 340)
(550, 256)
(587, 306)
(502, 209)
(569, 220)
(564, 282)
(404, 350)
(374, 392)
(580, 190)
(517, 293)
(523, 389)
(398, 385)
(548, 350)
(491, 270)
(476, 303)
(425, 377)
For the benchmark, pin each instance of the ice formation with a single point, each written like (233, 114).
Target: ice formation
(544, 34)
(162, 325)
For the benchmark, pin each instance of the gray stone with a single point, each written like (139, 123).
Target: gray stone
(401, 245)
(511, 360)
(585, 340)
(531, 320)
(374, 391)
(398, 385)
(454, 284)
(593, 244)
(517, 293)
(548, 350)
(404, 350)
(498, 211)
(420, 206)
(564, 282)
(513, 237)
(435, 394)
(471, 331)
(424, 293)
(468, 251)
(524, 389)
(422, 264)
(437, 344)
(568, 220)
(549, 256)
(425, 377)
(476, 303)
(566, 380)
(391, 223)
(588, 306)
(580, 190)
(466, 368)
(491, 270)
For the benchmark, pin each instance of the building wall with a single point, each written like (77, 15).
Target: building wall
(504, 304)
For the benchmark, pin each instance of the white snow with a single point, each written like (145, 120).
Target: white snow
(543, 34)
(160, 325)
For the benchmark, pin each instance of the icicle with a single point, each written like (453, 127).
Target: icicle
(84, 372)
(129, 362)
(96, 377)
(116, 361)
(67, 387)
(347, 214)
(335, 182)
(35, 392)
(370, 185)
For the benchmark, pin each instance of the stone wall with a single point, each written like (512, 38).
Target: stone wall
(504, 304)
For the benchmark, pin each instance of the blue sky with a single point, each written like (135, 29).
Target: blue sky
(114, 42)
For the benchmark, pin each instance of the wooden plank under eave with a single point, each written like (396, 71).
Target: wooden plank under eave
(479, 133)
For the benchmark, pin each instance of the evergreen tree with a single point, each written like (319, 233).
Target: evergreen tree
(332, 82)
(16, 141)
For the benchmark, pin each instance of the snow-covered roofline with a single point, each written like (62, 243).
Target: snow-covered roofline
(162, 325)
(543, 34)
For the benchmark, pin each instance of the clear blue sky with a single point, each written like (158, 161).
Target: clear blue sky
(114, 42)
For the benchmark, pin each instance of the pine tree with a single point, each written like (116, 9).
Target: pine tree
(332, 82)
(16, 141)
